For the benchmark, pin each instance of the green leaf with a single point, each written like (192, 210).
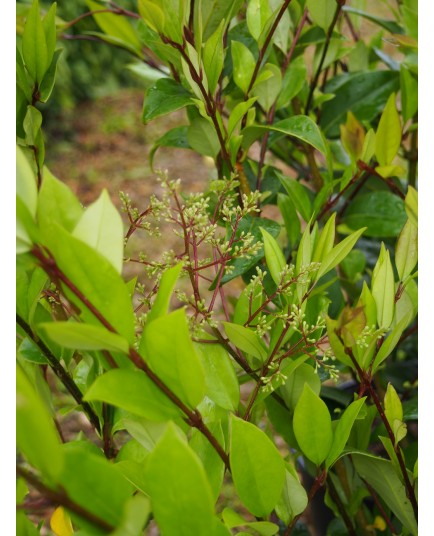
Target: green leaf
(246, 340)
(202, 137)
(213, 57)
(411, 205)
(221, 383)
(161, 303)
(232, 519)
(381, 475)
(293, 500)
(136, 512)
(101, 228)
(301, 127)
(313, 426)
(257, 14)
(238, 113)
(213, 11)
(274, 256)
(268, 90)
(164, 97)
(36, 434)
(383, 289)
(95, 278)
(343, 430)
(94, 483)
(49, 25)
(381, 212)
(392, 405)
(293, 82)
(409, 92)
(84, 337)
(406, 250)
(175, 137)
(338, 253)
(290, 217)
(325, 241)
(257, 467)
(321, 13)
(299, 196)
(388, 135)
(188, 508)
(212, 463)
(35, 51)
(243, 65)
(57, 203)
(364, 94)
(48, 81)
(302, 375)
(26, 183)
(115, 25)
(173, 357)
(29, 351)
(389, 25)
(391, 341)
(133, 391)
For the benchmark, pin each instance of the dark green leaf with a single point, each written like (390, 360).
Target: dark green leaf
(364, 94)
(382, 212)
(165, 97)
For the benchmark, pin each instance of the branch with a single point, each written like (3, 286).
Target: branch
(61, 373)
(60, 497)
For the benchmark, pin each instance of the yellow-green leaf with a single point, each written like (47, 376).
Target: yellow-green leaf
(388, 136)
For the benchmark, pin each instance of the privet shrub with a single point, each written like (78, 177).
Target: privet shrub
(223, 409)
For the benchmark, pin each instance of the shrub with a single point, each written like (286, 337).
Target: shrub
(214, 405)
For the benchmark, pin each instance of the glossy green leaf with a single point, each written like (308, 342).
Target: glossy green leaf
(212, 463)
(213, 57)
(258, 470)
(173, 357)
(26, 182)
(388, 135)
(406, 250)
(84, 336)
(343, 430)
(302, 375)
(383, 289)
(36, 434)
(56, 203)
(257, 14)
(180, 493)
(115, 25)
(133, 391)
(274, 256)
(338, 253)
(321, 13)
(202, 137)
(313, 426)
(246, 340)
(94, 483)
(301, 127)
(293, 500)
(292, 82)
(95, 278)
(175, 137)
(381, 212)
(299, 196)
(364, 94)
(243, 65)
(164, 97)
(380, 474)
(35, 51)
(221, 383)
(160, 305)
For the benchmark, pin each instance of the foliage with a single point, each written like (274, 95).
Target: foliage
(188, 387)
